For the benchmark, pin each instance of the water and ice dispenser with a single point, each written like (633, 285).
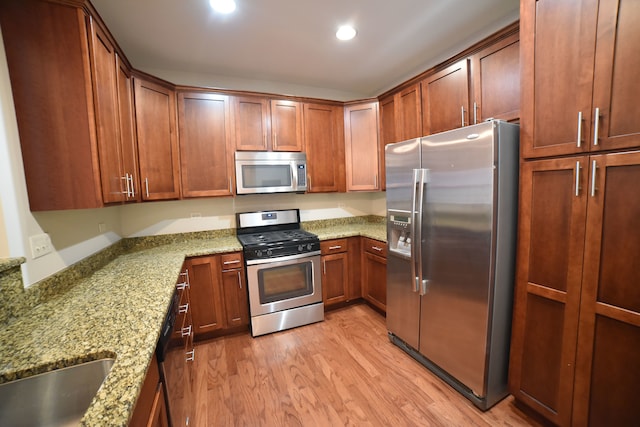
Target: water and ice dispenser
(399, 235)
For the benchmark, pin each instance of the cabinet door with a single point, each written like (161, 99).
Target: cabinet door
(496, 81)
(361, 146)
(558, 40)
(236, 297)
(206, 150)
(127, 128)
(409, 120)
(286, 125)
(616, 85)
(388, 131)
(251, 117)
(103, 61)
(206, 299)
(374, 280)
(608, 370)
(445, 99)
(548, 284)
(335, 273)
(157, 142)
(324, 145)
(46, 46)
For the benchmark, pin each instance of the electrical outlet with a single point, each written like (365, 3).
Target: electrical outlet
(40, 245)
(102, 227)
(196, 215)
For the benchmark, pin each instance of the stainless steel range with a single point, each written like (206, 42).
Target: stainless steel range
(283, 270)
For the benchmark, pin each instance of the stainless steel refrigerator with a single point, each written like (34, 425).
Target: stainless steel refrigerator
(451, 231)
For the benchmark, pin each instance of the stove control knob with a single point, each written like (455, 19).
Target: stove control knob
(259, 252)
(269, 252)
(309, 246)
(300, 248)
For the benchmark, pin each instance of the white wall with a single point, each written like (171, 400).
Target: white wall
(4, 242)
(147, 219)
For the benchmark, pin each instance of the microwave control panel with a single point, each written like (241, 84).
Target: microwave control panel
(302, 175)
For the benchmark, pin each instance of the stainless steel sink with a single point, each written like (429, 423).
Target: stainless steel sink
(55, 398)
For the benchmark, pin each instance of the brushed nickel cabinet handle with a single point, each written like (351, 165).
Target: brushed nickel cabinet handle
(376, 248)
(235, 261)
(594, 167)
(182, 309)
(475, 113)
(146, 186)
(335, 247)
(577, 179)
(596, 126)
(127, 191)
(191, 355)
(462, 109)
(579, 143)
(133, 188)
(324, 267)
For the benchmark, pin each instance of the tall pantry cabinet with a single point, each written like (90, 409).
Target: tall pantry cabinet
(576, 326)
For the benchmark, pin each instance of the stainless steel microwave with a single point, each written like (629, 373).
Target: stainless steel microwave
(260, 172)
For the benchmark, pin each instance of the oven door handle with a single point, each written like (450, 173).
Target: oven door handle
(282, 258)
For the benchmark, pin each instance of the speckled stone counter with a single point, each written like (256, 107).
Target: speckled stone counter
(115, 312)
(112, 305)
(373, 227)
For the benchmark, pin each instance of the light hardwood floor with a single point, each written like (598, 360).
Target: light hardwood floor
(343, 371)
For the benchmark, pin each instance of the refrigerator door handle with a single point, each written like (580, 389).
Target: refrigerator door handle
(420, 285)
(415, 244)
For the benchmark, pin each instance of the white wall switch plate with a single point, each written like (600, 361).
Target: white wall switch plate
(40, 245)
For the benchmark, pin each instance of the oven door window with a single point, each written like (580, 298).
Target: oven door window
(260, 176)
(285, 282)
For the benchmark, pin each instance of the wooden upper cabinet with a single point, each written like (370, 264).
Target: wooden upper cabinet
(445, 99)
(286, 125)
(128, 143)
(553, 203)
(616, 87)
(409, 113)
(324, 145)
(557, 76)
(607, 369)
(495, 73)
(388, 131)
(252, 123)
(157, 140)
(104, 73)
(47, 49)
(206, 144)
(361, 146)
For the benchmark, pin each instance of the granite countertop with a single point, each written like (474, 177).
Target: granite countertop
(117, 311)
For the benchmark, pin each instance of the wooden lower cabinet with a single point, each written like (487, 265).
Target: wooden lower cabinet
(150, 410)
(335, 271)
(374, 273)
(218, 293)
(234, 290)
(576, 324)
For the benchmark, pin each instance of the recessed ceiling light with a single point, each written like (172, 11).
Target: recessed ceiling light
(223, 6)
(346, 32)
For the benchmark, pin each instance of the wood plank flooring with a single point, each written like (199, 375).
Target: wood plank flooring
(340, 372)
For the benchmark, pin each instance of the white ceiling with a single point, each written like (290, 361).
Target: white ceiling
(290, 46)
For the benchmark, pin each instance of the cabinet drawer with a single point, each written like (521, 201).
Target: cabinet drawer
(333, 246)
(375, 247)
(230, 261)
